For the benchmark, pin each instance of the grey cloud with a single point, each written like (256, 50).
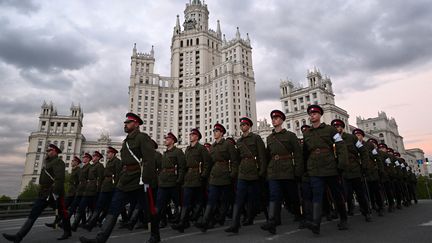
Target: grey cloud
(22, 6)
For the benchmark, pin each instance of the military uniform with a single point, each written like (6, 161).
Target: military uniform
(252, 167)
(396, 178)
(51, 192)
(223, 171)
(323, 164)
(73, 185)
(197, 170)
(374, 168)
(137, 148)
(171, 175)
(108, 182)
(387, 175)
(358, 158)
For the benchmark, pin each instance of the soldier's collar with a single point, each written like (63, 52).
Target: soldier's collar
(220, 142)
(320, 126)
(173, 147)
(134, 133)
(281, 131)
(248, 135)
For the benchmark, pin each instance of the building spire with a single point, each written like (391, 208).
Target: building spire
(238, 34)
(247, 38)
(152, 51)
(134, 50)
(178, 22)
(224, 39)
(218, 30)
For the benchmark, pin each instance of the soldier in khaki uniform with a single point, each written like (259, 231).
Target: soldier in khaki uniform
(111, 176)
(83, 177)
(73, 186)
(51, 192)
(322, 166)
(284, 170)
(222, 172)
(137, 149)
(373, 170)
(252, 167)
(387, 175)
(395, 177)
(93, 186)
(171, 175)
(197, 169)
(353, 171)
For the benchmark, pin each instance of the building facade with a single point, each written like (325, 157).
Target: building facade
(211, 80)
(319, 91)
(65, 132)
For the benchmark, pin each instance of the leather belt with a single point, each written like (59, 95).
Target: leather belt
(168, 169)
(132, 167)
(320, 150)
(282, 157)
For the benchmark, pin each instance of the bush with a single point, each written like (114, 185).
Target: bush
(30, 192)
(423, 184)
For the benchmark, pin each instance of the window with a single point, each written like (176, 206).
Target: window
(314, 95)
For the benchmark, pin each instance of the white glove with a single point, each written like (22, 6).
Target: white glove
(146, 187)
(337, 138)
(55, 196)
(408, 168)
(359, 144)
(374, 151)
(397, 163)
(402, 165)
(388, 161)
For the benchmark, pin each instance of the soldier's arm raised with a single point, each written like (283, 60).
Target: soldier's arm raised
(341, 149)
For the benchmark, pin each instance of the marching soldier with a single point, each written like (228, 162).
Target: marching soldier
(396, 177)
(111, 175)
(252, 167)
(73, 185)
(95, 177)
(412, 184)
(284, 169)
(322, 166)
(51, 192)
(223, 170)
(171, 175)
(353, 172)
(403, 179)
(207, 146)
(387, 175)
(197, 169)
(137, 149)
(374, 169)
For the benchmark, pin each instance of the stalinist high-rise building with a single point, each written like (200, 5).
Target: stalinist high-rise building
(211, 80)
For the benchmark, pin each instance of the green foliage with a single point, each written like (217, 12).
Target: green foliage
(5, 199)
(30, 192)
(423, 184)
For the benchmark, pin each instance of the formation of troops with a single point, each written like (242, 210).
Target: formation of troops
(317, 176)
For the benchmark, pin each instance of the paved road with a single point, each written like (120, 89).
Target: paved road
(413, 225)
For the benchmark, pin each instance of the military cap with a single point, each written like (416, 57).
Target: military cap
(231, 140)
(207, 145)
(87, 155)
(315, 108)
(397, 154)
(382, 145)
(77, 159)
(278, 113)
(172, 136)
(373, 140)
(196, 132)
(304, 128)
(338, 122)
(97, 153)
(358, 131)
(131, 117)
(112, 150)
(155, 145)
(390, 151)
(219, 127)
(246, 120)
(54, 147)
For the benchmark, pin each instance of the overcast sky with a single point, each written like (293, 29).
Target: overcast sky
(377, 53)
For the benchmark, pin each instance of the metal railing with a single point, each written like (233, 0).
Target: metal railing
(18, 209)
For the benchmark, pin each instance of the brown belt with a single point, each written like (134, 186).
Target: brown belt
(282, 157)
(132, 167)
(320, 150)
(168, 169)
(222, 162)
(249, 158)
(193, 168)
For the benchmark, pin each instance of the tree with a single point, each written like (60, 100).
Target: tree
(5, 199)
(423, 184)
(30, 192)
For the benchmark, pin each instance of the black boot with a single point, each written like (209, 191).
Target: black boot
(184, 221)
(314, 226)
(21, 233)
(66, 230)
(154, 230)
(206, 219)
(250, 215)
(133, 219)
(93, 220)
(53, 224)
(343, 217)
(105, 232)
(77, 220)
(234, 228)
(270, 225)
